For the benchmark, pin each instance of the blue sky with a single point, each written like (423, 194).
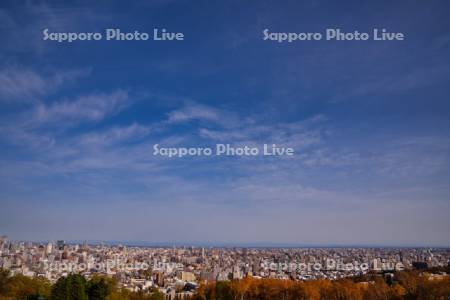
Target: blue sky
(369, 122)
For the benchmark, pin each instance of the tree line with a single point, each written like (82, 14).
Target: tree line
(71, 287)
(406, 285)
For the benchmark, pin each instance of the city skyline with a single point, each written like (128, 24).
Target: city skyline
(182, 272)
(368, 122)
(224, 245)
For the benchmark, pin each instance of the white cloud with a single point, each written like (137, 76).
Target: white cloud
(114, 135)
(25, 85)
(297, 134)
(193, 112)
(91, 107)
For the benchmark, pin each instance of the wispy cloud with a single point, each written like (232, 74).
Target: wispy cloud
(298, 134)
(91, 107)
(193, 112)
(20, 24)
(26, 85)
(113, 136)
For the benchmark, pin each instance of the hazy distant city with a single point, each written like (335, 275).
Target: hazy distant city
(180, 269)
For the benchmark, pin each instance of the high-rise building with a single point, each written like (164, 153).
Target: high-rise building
(49, 248)
(60, 244)
(3, 241)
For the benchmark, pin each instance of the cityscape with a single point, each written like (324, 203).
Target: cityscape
(178, 271)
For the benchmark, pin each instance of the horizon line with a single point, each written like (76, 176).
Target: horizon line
(216, 244)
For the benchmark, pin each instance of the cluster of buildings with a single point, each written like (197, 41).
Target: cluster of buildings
(179, 270)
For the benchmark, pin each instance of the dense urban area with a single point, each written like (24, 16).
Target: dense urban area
(105, 271)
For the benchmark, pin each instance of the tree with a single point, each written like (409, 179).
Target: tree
(100, 287)
(157, 295)
(22, 287)
(223, 290)
(72, 287)
(4, 279)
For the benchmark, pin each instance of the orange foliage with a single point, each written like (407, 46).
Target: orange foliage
(407, 285)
